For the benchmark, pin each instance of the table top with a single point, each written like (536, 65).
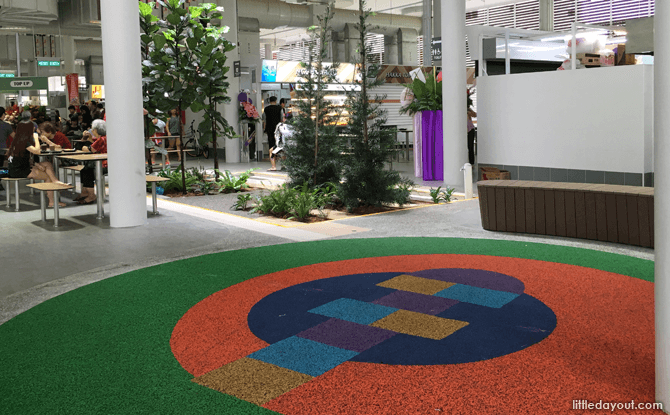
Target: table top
(51, 186)
(84, 156)
(59, 152)
(156, 179)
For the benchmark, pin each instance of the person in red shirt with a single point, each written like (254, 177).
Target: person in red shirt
(51, 136)
(87, 196)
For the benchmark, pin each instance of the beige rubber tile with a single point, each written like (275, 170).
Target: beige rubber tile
(416, 284)
(420, 325)
(252, 380)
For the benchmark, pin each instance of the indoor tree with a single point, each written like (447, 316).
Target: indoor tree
(313, 155)
(365, 180)
(210, 47)
(177, 68)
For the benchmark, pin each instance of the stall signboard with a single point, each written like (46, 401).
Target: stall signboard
(72, 81)
(23, 84)
(436, 49)
(7, 75)
(398, 74)
(294, 72)
(97, 92)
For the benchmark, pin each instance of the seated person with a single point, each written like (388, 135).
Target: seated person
(52, 137)
(99, 133)
(24, 144)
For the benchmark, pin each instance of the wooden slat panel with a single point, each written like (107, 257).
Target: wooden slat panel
(510, 209)
(491, 195)
(601, 216)
(559, 203)
(530, 210)
(483, 206)
(622, 218)
(540, 224)
(651, 220)
(501, 222)
(580, 214)
(570, 215)
(612, 226)
(633, 220)
(550, 211)
(643, 213)
(520, 205)
(591, 224)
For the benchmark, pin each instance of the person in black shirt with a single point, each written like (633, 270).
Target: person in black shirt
(74, 119)
(272, 116)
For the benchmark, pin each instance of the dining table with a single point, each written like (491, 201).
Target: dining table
(98, 158)
(54, 154)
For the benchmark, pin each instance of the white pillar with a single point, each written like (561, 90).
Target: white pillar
(230, 112)
(662, 200)
(125, 128)
(69, 52)
(454, 91)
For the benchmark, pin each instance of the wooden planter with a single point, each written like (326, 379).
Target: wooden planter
(622, 214)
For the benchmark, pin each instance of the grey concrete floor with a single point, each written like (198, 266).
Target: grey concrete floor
(38, 262)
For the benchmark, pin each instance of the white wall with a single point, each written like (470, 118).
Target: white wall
(589, 119)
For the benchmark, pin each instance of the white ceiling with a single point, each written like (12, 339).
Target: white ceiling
(289, 35)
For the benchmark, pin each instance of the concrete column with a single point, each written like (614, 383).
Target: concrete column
(407, 51)
(125, 130)
(437, 24)
(391, 50)
(230, 112)
(454, 92)
(662, 200)
(338, 47)
(351, 41)
(547, 15)
(427, 32)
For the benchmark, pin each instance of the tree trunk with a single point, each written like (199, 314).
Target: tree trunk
(181, 151)
(364, 73)
(216, 153)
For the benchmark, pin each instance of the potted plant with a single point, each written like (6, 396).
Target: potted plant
(427, 101)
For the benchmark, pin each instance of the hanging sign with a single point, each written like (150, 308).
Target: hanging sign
(72, 81)
(436, 49)
(23, 84)
(237, 69)
(97, 91)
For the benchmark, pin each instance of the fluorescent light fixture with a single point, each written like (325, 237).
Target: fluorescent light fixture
(616, 41)
(551, 39)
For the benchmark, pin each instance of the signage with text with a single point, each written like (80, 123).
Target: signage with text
(293, 72)
(48, 63)
(7, 75)
(436, 49)
(23, 84)
(237, 69)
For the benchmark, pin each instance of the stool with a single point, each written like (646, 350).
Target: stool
(153, 180)
(45, 187)
(16, 181)
(72, 170)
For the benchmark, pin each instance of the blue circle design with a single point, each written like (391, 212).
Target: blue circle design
(501, 318)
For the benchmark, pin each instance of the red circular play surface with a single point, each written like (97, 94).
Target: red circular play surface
(604, 338)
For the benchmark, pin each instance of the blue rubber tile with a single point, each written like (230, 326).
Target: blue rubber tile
(476, 295)
(353, 310)
(303, 355)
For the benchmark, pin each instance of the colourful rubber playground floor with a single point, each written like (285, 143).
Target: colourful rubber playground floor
(365, 326)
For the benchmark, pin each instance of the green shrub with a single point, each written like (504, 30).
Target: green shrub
(228, 183)
(205, 187)
(446, 194)
(436, 194)
(175, 182)
(242, 202)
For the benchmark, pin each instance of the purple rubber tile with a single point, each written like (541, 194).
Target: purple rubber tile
(346, 335)
(420, 303)
(474, 278)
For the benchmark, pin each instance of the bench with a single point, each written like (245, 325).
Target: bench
(46, 187)
(607, 213)
(15, 181)
(153, 180)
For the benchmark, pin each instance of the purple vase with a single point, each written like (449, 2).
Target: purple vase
(431, 146)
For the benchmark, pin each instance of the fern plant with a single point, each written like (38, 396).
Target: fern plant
(228, 183)
(242, 202)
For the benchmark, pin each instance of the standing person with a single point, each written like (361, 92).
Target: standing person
(5, 131)
(272, 116)
(471, 132)
(160, 132)
(86, 118)
(282, 104)
(87, 196)
(24, 144)
(101, 111)
(173, 130)
(73, 124)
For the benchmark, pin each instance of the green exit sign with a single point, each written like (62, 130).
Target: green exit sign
(48, 63)
(6, 75)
